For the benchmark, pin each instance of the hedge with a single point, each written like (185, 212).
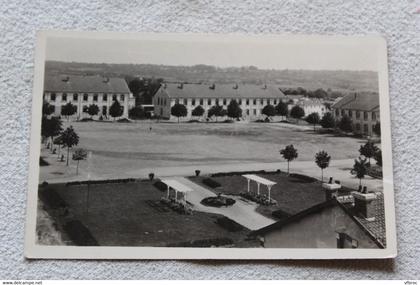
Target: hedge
(107, 181)
(279, 214)
(211, 183)
(204, 243)
(229, 224)
(245, 172)
(52, 199)
(79, 234)
(160, 186)
(303, 178)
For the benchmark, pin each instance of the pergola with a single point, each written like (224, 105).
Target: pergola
(259, 181)
(178, 187)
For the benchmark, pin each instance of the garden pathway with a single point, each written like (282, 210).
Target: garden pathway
(242, 212)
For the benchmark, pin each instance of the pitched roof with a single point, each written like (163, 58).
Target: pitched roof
(88, 84)
(374, 232)
(222, 91)
(366, 101)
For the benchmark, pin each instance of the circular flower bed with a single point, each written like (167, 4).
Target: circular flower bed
(218, 201)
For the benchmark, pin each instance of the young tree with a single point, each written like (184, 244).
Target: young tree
(322, 159)
(47, 109)
(360, 169)
(327, 121)
(289, 153)
(215, 111)
(378, 157)
(93, 110)
(269, 111)
(179, 110)
(282, 109)
(377, 129)
(50, 128)
(136, 113)
(368, 150)
(70, 138)
(233, 110)
(78, 155)
(198, 111)
(68, 110)
(313, 119)
(297, 112)
(345, 124)
(116, 110)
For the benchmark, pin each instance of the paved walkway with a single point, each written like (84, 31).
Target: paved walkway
(339, 169)
(242, 212)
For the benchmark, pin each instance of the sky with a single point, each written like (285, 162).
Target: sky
(270, 52)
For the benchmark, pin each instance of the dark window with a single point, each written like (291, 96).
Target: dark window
(122, 97)
(247, 111)
(255, 111)
(365, 128)
(75, 97)
(255, 102)
(275, 102)
(104, 110)
(209, 102)
(201, 101)
(217, 101)
(185, 102)
(177, 101)
(52, 97)
(357, 114)
(114, 97)
(357, 127)
(247, 102)
(64, 97)
(104, 97)
(365, 116)
(95, 97)
(350, 113)
(193, 102)
(85, 97)
(240, 101)
(373, 116)
(262, 101)
(224, 101)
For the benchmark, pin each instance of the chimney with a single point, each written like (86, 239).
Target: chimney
(181, 85)
(365, 204)
(235, 86)
(331, 188)
(212, 86)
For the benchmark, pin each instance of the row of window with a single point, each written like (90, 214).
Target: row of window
(104, 109)
(365, 128)
(162, 101)
(53, 97)
(357, 113)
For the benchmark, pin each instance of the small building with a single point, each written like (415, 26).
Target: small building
(330, 224)
(310, 106)
(83, 91)
(363, 110)
(251, 98)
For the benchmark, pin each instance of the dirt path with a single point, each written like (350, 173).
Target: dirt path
(241, 212)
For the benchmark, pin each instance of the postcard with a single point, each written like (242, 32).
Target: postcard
(204, 146)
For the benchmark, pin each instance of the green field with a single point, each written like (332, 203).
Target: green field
(123, 148)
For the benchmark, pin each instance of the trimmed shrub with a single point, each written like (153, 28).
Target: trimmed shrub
(211, 183)
(123, 120)
(204, 243)
(197, 172)
(218, 201)
(279, 214)
(86, 120)
(160, 186)
(303, 178)
(107, 181)
(43, 162)
(151, 176)
(229, 224)
(50, 197)
(79, 234)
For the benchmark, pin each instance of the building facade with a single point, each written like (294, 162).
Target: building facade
(361, 108)
(82, 91)
(311, 106)
(251, 98)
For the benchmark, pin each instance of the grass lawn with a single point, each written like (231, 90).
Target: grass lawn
(122, 148)
(124, 215)
(292, 194)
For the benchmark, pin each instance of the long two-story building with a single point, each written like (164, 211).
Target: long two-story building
(251, 98)
(83, 91)
(363, 110)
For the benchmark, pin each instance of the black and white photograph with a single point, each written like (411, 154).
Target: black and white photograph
(184, 146)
